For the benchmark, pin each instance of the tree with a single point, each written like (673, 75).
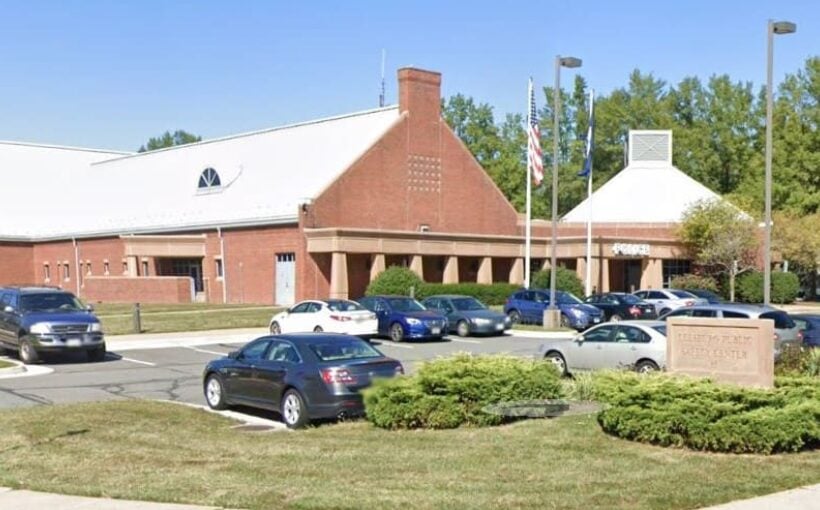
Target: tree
(720, 237)
(167, 139)
(798, 241)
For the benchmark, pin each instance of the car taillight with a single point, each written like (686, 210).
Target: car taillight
(690, 302)
(635, 311)
(337, 375)
(800, 336)
(340, 318)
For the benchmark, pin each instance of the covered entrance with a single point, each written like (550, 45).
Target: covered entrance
(625, 275)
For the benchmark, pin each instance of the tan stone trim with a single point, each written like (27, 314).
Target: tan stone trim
(165, 246)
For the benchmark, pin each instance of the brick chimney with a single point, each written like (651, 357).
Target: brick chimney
(420, 100)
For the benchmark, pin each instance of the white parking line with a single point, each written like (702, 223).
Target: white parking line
(463, 341)
(206, 351)
(401, 346)
(138, 361)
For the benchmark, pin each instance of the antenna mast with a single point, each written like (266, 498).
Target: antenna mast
(381, 95)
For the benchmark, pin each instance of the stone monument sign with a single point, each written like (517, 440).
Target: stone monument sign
(738, 351)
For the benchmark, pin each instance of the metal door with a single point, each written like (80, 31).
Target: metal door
(285, 279)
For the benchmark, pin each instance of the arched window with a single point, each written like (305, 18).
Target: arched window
(209, 179)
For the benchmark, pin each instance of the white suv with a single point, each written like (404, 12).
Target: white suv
(666, 300)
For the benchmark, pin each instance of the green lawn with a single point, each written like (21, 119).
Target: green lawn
(6, 364)
(117, 319)
(165, 452)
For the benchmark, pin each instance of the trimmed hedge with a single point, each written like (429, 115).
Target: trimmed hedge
(489, 294)
(565, 279)
(694, 281)
(784, 289)
(394, 280)
(702, 415)
(450, 392)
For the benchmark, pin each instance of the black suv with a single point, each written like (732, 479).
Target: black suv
(35, 320)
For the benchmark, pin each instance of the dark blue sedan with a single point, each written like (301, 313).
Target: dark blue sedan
(304, 377)
(809, 323)
(402, 317)
(468, 316)
(528, 306)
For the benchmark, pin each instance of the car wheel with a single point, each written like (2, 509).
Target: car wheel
(318, 329)
(294, 412)
(646, 366)
(215, 392)
(396, 332)
(462, 328)
(664, 311)
(95, 355)
(275, 328)
(565, 321)
(556, 359)
(515, 316)
(28, 354)
(615, 317)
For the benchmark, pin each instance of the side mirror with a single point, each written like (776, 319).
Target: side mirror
(8, 309)
(234, 354)
(579, 339)
(89, 307)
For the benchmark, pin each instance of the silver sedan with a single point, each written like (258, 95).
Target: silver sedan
(635, 345)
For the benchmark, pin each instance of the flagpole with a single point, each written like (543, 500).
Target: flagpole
(588, 288)
(528, 222)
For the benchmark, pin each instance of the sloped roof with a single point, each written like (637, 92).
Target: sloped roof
(264, 175)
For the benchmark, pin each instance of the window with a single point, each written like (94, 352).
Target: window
(145, 268)
(88, 267)
(124, 267)
(344, 349)
(255, 350)
(602, 334)
(300, 308)
(66, 271)
(106, 268)
(654, 294)
(219, 270)
(673, 268)
(209, 179)
(632, 335)
(728, 314)
(283, 352)
(704, 313)
(46, 272)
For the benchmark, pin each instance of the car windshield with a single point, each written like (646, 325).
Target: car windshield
(344, 349)
(682, 294)
(661, 328)
(565, 298)
(342, 305)
(630, 299)
(49, 301)
(467, 304)
(405, 305)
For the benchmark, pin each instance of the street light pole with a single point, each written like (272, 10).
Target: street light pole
(553, 315)
(774, 27)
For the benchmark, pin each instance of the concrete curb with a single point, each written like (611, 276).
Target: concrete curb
(18, 367)
(553, 335)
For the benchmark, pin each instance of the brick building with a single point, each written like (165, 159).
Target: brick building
(313, 209)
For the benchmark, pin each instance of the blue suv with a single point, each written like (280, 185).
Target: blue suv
(37, 320)
(402, 317)
(528, 306)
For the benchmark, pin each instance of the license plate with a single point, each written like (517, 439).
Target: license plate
(596, 319)
(499, 326)
(73, 342)
(435, 331)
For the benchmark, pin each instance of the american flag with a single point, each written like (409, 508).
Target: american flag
(534, 157)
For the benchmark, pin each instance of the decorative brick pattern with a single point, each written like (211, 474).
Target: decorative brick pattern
(423, 173)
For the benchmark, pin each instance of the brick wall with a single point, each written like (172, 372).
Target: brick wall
(15, 264)
(151, 289)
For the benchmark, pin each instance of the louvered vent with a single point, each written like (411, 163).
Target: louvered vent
(650, 147)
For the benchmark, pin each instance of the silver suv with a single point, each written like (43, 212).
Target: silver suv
(786, 331)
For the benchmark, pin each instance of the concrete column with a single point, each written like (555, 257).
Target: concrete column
(338, 276)
(604, 275)
(133, 265)
(451, 270)
(417, 265)
(485, 271)
(377, 266)
(581, 269)
(651, 274)
(595, 274)
(517, 272)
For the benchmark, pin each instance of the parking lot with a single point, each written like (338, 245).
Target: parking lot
(169, 367)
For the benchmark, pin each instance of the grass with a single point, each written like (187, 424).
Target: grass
(117, 319)
(164, 452)
(6, 364)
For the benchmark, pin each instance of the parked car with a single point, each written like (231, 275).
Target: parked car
(809, 324)
(330, 315)
(307, 376)
(38, 320)
(636, 345)
(467, 315)
(528, 306)
(621, 306)
(786, 331)
(708, 295)
(666, 300)
(402, 317)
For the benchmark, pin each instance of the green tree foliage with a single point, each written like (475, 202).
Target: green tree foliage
(394, 280)
(784, 287)
(168, 139)
(565, 279)
(798, 241)
(720, 237)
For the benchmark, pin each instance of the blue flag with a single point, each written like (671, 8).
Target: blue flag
(586, 171)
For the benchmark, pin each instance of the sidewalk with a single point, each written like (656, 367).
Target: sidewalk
(802, 498)
(11, 499)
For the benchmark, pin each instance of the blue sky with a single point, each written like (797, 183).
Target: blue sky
(111, 74)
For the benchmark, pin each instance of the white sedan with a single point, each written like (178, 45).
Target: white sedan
(332, 316)
(636, 345)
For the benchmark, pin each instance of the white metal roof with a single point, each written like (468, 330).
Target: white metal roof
(649, 190)
(62, 193)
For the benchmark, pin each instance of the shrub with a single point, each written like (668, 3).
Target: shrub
(565, 279)
(394, 280)
(702, 415)
(796, 360)
(784, 289)
(449, 392)
(694, 281)
(489, 294)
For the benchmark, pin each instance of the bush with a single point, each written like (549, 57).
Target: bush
(796, 360)
(489, 294)
(450, 392)
(702, 415)
(565, 279)
(694, 281)
(784, 289)
(394, 280)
